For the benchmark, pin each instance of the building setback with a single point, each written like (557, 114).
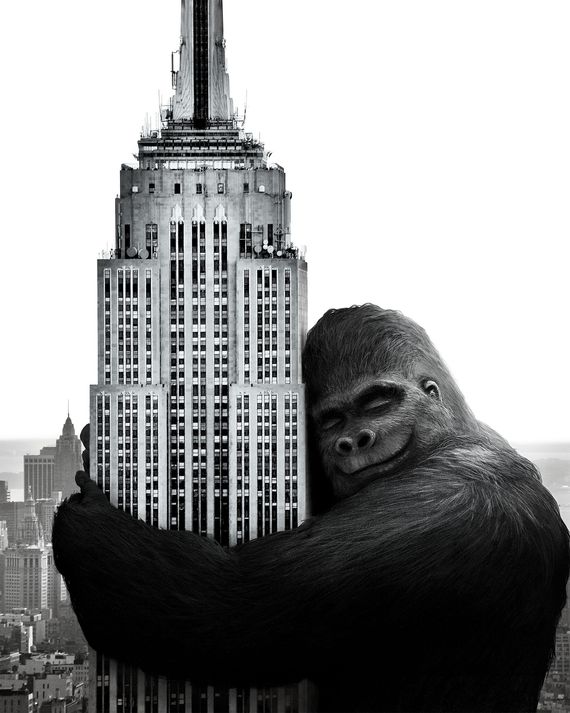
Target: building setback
(198, 416)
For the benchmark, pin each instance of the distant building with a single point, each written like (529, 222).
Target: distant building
(4, 492)
(55, 467)
(3, 535)
(52, 686)
(67, 461)
(12, 513)
(54, 705)
(39, 473)
(16, 701)
(26, 570)
(561, 664)
(45, 510)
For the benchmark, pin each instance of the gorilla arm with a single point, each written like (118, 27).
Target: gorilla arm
(466, 543)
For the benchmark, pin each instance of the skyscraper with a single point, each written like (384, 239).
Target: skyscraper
(27, 565)
(38, 473)
(67, 461)
(198, 414)
(54, 468)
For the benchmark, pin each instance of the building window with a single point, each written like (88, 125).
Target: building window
(246, 187)
(151, 187)
(177, 188)
(198, 188)
(245, 240)
(221, 188)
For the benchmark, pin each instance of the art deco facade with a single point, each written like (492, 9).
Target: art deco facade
(198, 414)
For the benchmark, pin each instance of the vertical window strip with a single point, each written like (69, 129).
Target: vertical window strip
(154, 490)
(128, 327)
(107, 325)
(196, 469)
(100, 446)
(294, 473)
(151, 239)
(177, 376)
(148, 459)
(246, 532)
(121, 325)
(225, 389)
(246, 326)
(107, 445)
(274, 318)
(121, 450)
(260, 327)
(240, 472)
(287, 326)
(266, 467)
(287, 420)
(217, 388)
(273, 432)
(260, 450)
(148, 327)
(203, 386)
(135, 326)
(134, 507)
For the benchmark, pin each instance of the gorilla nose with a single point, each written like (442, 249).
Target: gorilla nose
(348, 445)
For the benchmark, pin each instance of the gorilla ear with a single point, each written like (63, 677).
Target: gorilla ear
(432, 390)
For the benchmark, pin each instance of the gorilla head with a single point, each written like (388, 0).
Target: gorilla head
(380, 396)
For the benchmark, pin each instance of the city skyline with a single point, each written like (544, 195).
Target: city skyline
(469, 152)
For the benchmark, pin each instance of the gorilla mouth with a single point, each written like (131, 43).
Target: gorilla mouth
(394, 458)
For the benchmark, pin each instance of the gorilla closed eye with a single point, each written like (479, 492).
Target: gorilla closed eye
(377, 396)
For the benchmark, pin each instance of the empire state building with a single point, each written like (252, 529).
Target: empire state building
(198, 418)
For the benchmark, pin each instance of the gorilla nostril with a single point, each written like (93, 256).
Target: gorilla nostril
(344, 446)
(365, 438)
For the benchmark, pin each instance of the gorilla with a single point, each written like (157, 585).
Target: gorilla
(431, 577)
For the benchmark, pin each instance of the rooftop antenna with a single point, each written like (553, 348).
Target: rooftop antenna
(245, 108)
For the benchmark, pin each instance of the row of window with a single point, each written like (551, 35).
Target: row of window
(199, 188)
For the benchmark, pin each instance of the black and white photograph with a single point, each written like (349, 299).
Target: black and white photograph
(284, 422)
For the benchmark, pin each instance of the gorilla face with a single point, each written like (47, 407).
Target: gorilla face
(374, 426)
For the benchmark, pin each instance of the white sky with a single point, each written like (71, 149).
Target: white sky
(426, 142)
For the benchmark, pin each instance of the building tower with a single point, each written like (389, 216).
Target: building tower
(27, 565)
(67, 461)
(4, 492)
(198, 415)
(39, 473)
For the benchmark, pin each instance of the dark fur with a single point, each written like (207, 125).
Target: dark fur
(435, 589)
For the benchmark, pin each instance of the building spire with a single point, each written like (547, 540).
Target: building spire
(202, 83)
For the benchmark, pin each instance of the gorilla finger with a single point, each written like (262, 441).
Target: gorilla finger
(89, 489)
(84, 436)
(85, 459)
